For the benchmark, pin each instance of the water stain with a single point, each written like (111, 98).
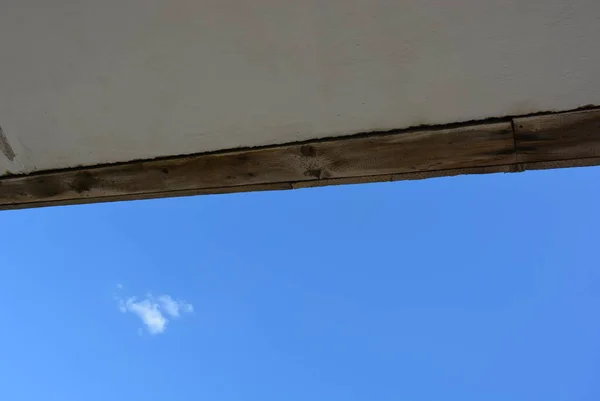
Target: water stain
(5, 146)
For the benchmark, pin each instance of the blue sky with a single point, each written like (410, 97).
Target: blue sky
(467, 288)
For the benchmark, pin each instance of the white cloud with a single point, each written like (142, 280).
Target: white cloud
(120, 286)
(150, 310)
(173, 307)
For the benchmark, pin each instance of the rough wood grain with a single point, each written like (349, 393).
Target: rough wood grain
(421, 175)
(152, 195)
(587, 162)
(556, 137)
(412, 151)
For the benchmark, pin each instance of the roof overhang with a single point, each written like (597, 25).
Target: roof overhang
(113, 100)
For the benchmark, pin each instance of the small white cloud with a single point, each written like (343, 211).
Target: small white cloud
(173, 307)
(150, 310)
(120, 286)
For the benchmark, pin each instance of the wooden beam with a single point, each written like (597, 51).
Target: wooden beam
(558, 137)
(508, 145)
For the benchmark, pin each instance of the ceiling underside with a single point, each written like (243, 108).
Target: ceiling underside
(93, 82)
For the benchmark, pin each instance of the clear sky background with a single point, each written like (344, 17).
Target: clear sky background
(467, 288)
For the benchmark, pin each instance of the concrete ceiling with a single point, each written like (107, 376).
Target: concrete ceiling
(92, 82)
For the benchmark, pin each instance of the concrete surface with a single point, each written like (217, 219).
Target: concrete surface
(90, 82)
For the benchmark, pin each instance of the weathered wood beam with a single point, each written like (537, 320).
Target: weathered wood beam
(505, 145)
(558, 137)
